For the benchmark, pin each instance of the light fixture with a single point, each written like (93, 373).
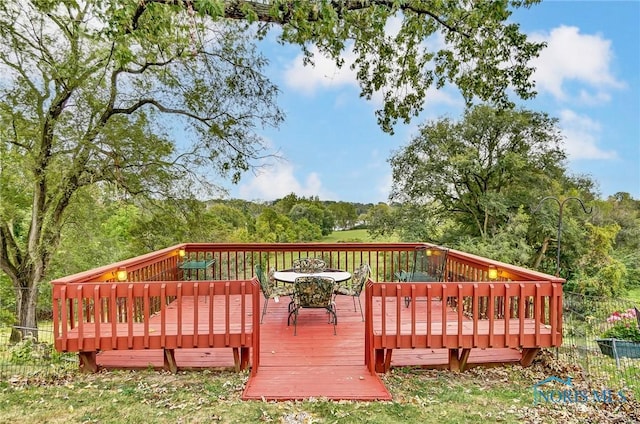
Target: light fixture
(493, 273)
(429, 252)
(182, 253)
(121, 274)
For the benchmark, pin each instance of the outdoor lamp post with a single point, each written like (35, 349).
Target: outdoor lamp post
(561, 207)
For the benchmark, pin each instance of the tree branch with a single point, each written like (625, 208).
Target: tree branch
(236, 9)
(142, 102)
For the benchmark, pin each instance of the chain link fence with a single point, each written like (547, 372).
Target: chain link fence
(34, 355)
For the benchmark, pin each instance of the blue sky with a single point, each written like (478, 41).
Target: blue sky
(588, 78)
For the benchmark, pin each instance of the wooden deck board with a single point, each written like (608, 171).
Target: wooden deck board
(337, 382)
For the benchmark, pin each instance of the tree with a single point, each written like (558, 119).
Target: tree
(412, 223)
(92, 95)
(272, 227)
(344, 214)
(86, 85)
(379, 220)
(481, 170)
(483, 54)
(622, 210)
(598, 273)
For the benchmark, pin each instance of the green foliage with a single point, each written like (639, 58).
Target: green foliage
(509, 244)
(30, 351)
(481, 170)
(621, 212)
(272, 227)
(608, 281)
(478, 37)
(344, 213)
(599, 273)
(379, 220)
(6, 317)
(628, 332)
(93, 100)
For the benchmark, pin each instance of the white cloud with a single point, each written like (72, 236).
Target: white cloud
(582, 136)
(274, 182)
(384, 187)
(324, 74)
(574, 57)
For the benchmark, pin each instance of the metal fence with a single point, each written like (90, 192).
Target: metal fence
(32, 357)
(585, 344)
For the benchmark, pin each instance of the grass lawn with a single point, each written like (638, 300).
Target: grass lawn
(501, 394)
(360, 235)
(634, 295)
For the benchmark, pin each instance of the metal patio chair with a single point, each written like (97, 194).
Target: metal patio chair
(354, 286)
(309, 265)
(269, 289)
(313, 292)
(429, 264)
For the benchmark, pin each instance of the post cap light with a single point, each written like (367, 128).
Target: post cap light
(493, 273)
(121, 275)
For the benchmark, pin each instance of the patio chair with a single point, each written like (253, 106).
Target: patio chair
(354, 287)
(269, 289)
(428, 265)
(309, 265)
(313, 292)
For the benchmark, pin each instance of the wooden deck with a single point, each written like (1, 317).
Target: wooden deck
(142, 313)
(315, 363)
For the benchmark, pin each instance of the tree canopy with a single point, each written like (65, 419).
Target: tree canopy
(82, 104)
(481, 168)
(402, 47)
(97, 93)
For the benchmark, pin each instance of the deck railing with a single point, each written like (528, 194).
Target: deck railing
(524, 315)
(236, 261)
(168, 315)
(133, 292)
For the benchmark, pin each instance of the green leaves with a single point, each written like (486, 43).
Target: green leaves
(478, 173)
(213, 8)
(483, 54)
(147, 97)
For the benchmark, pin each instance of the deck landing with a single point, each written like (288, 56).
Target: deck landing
(336, 382)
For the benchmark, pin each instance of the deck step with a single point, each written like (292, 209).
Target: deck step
(327, 382)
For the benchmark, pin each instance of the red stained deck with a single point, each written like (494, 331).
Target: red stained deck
(150, 317)
(315, 363)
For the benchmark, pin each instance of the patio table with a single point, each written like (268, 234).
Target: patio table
(290, 276)
(191, 268)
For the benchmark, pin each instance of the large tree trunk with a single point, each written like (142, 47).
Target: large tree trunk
(26, 305)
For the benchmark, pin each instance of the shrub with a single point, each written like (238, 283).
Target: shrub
(625, 326)
(29, 350)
